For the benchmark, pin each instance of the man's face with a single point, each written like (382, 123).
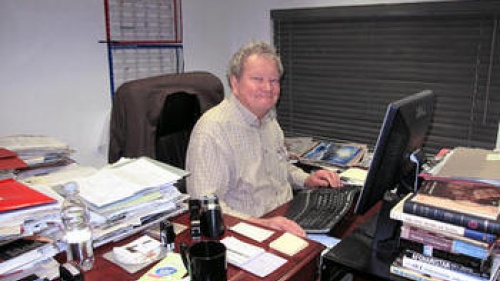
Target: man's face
(258, 88)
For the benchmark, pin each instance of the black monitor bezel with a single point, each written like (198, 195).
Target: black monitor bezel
(398, 111)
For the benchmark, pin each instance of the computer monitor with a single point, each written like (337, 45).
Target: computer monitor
(393, 170)
(402, 134)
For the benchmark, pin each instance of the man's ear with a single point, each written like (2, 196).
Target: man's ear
(234, 84)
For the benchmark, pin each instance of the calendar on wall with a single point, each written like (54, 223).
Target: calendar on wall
(144, 38)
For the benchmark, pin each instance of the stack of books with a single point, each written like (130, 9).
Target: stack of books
(449, 230)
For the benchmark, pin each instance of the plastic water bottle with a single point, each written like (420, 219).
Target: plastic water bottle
(77, 232)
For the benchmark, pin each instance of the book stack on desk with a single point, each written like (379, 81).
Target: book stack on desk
(450, 229)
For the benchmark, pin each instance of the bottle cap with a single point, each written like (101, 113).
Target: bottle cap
(70, 187)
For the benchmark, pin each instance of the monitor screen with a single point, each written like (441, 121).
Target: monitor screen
(403, 133)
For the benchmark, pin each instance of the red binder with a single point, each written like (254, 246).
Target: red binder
(15, 195)
(10, 161)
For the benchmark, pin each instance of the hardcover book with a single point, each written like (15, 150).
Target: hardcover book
(472, 197)
(457, 217)
(397, 213)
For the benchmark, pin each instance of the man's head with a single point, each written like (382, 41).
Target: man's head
(254, 74)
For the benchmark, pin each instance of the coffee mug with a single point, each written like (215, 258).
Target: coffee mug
(205, 260)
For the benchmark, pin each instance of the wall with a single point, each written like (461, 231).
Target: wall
(54, 73)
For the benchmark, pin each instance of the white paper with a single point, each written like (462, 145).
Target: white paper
(258, 234)
(264, 264)
(123, 180)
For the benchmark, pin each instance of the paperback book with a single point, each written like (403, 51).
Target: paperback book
(479, 265)
(471, 248)
(440, 268)
(398, 269)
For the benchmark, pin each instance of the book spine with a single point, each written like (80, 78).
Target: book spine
(478, 265)
(438, 269)
(445, 243)
(440, 226)
(410, 274)
(461, 219)
(446, 264)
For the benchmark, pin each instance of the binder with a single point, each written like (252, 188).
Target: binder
(15, 195)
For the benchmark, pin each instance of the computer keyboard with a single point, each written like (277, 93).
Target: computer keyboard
(319, 210)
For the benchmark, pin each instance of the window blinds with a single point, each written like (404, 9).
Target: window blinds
(343, 65)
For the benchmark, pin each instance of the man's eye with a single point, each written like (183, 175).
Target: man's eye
(258, 79)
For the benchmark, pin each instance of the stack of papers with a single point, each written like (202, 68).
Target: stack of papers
(42, 154)
(129, 195)
(21, 203)
(9, 163)
(251, 258)
(125, 179)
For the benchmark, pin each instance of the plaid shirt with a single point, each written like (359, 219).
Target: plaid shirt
(241, 159)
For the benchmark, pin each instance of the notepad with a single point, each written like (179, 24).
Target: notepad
(289, 244)
(258, 234)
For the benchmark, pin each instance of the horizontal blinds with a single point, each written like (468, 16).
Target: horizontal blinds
(344, 65)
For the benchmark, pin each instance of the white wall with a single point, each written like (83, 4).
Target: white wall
(54, 77)
(54, 73)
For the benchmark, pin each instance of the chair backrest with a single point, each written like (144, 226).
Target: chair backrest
(177, 118)
(135, 121)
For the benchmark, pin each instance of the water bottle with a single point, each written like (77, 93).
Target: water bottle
(77, 232)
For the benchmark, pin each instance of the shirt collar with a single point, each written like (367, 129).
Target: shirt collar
(248, 116)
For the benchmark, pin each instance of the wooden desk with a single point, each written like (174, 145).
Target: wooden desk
(301, 267)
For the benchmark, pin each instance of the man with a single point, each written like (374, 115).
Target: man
(237, 149)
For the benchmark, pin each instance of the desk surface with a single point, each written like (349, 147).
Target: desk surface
(303, 266)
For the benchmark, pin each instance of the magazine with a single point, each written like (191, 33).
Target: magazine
(337, 154)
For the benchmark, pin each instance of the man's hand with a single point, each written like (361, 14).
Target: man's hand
(323, 178)
(280, 223)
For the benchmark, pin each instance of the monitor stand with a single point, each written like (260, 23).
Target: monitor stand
(369, 250)
(386, 233)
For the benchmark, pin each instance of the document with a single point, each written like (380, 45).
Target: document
(124, 179)
(258, 234)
